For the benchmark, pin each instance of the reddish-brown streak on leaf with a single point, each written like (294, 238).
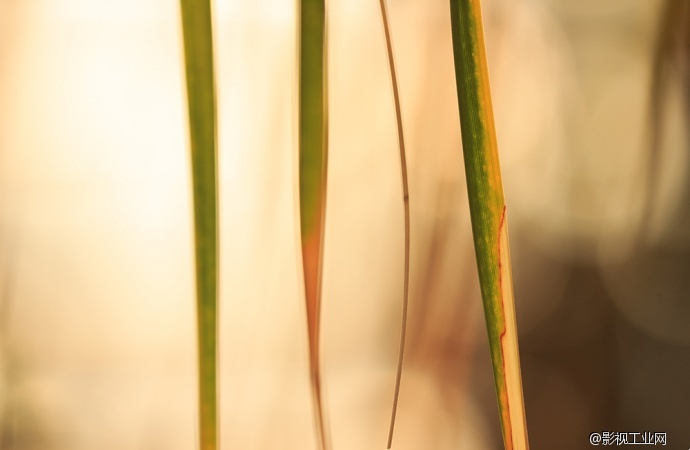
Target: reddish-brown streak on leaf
(500, 275)
(504, 395)
(310, 255)
(312, 248)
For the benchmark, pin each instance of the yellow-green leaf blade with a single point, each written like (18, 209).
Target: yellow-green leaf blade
(313, 161)
(488, 215)
(201, 99)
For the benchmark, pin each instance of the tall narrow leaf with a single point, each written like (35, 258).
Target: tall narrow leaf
(313, 161)
(198, 50)
(488, 213)
(406, 206)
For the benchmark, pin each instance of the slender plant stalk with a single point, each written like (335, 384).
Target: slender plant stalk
(406, 205)
(488, 214)
(313, 163)
(671, 54)
(201, 98)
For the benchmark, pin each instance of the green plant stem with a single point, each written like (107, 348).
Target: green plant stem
(198, 51)
(313, 163)
(488, 215)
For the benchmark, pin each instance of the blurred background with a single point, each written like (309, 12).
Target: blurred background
(97, 339)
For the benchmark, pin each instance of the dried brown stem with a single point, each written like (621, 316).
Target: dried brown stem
(406, 204)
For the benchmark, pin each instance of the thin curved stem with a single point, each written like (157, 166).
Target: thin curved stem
(406, 206)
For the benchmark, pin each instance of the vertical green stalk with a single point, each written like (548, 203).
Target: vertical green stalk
(406, 210)
(488, 214)
(201, 98)
(313, 162)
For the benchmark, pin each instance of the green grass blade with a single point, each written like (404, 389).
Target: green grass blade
(488, 214)
(406, 206)
(201, 98)
(313, 162)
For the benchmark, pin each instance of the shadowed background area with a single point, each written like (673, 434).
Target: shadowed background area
(96, 277)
